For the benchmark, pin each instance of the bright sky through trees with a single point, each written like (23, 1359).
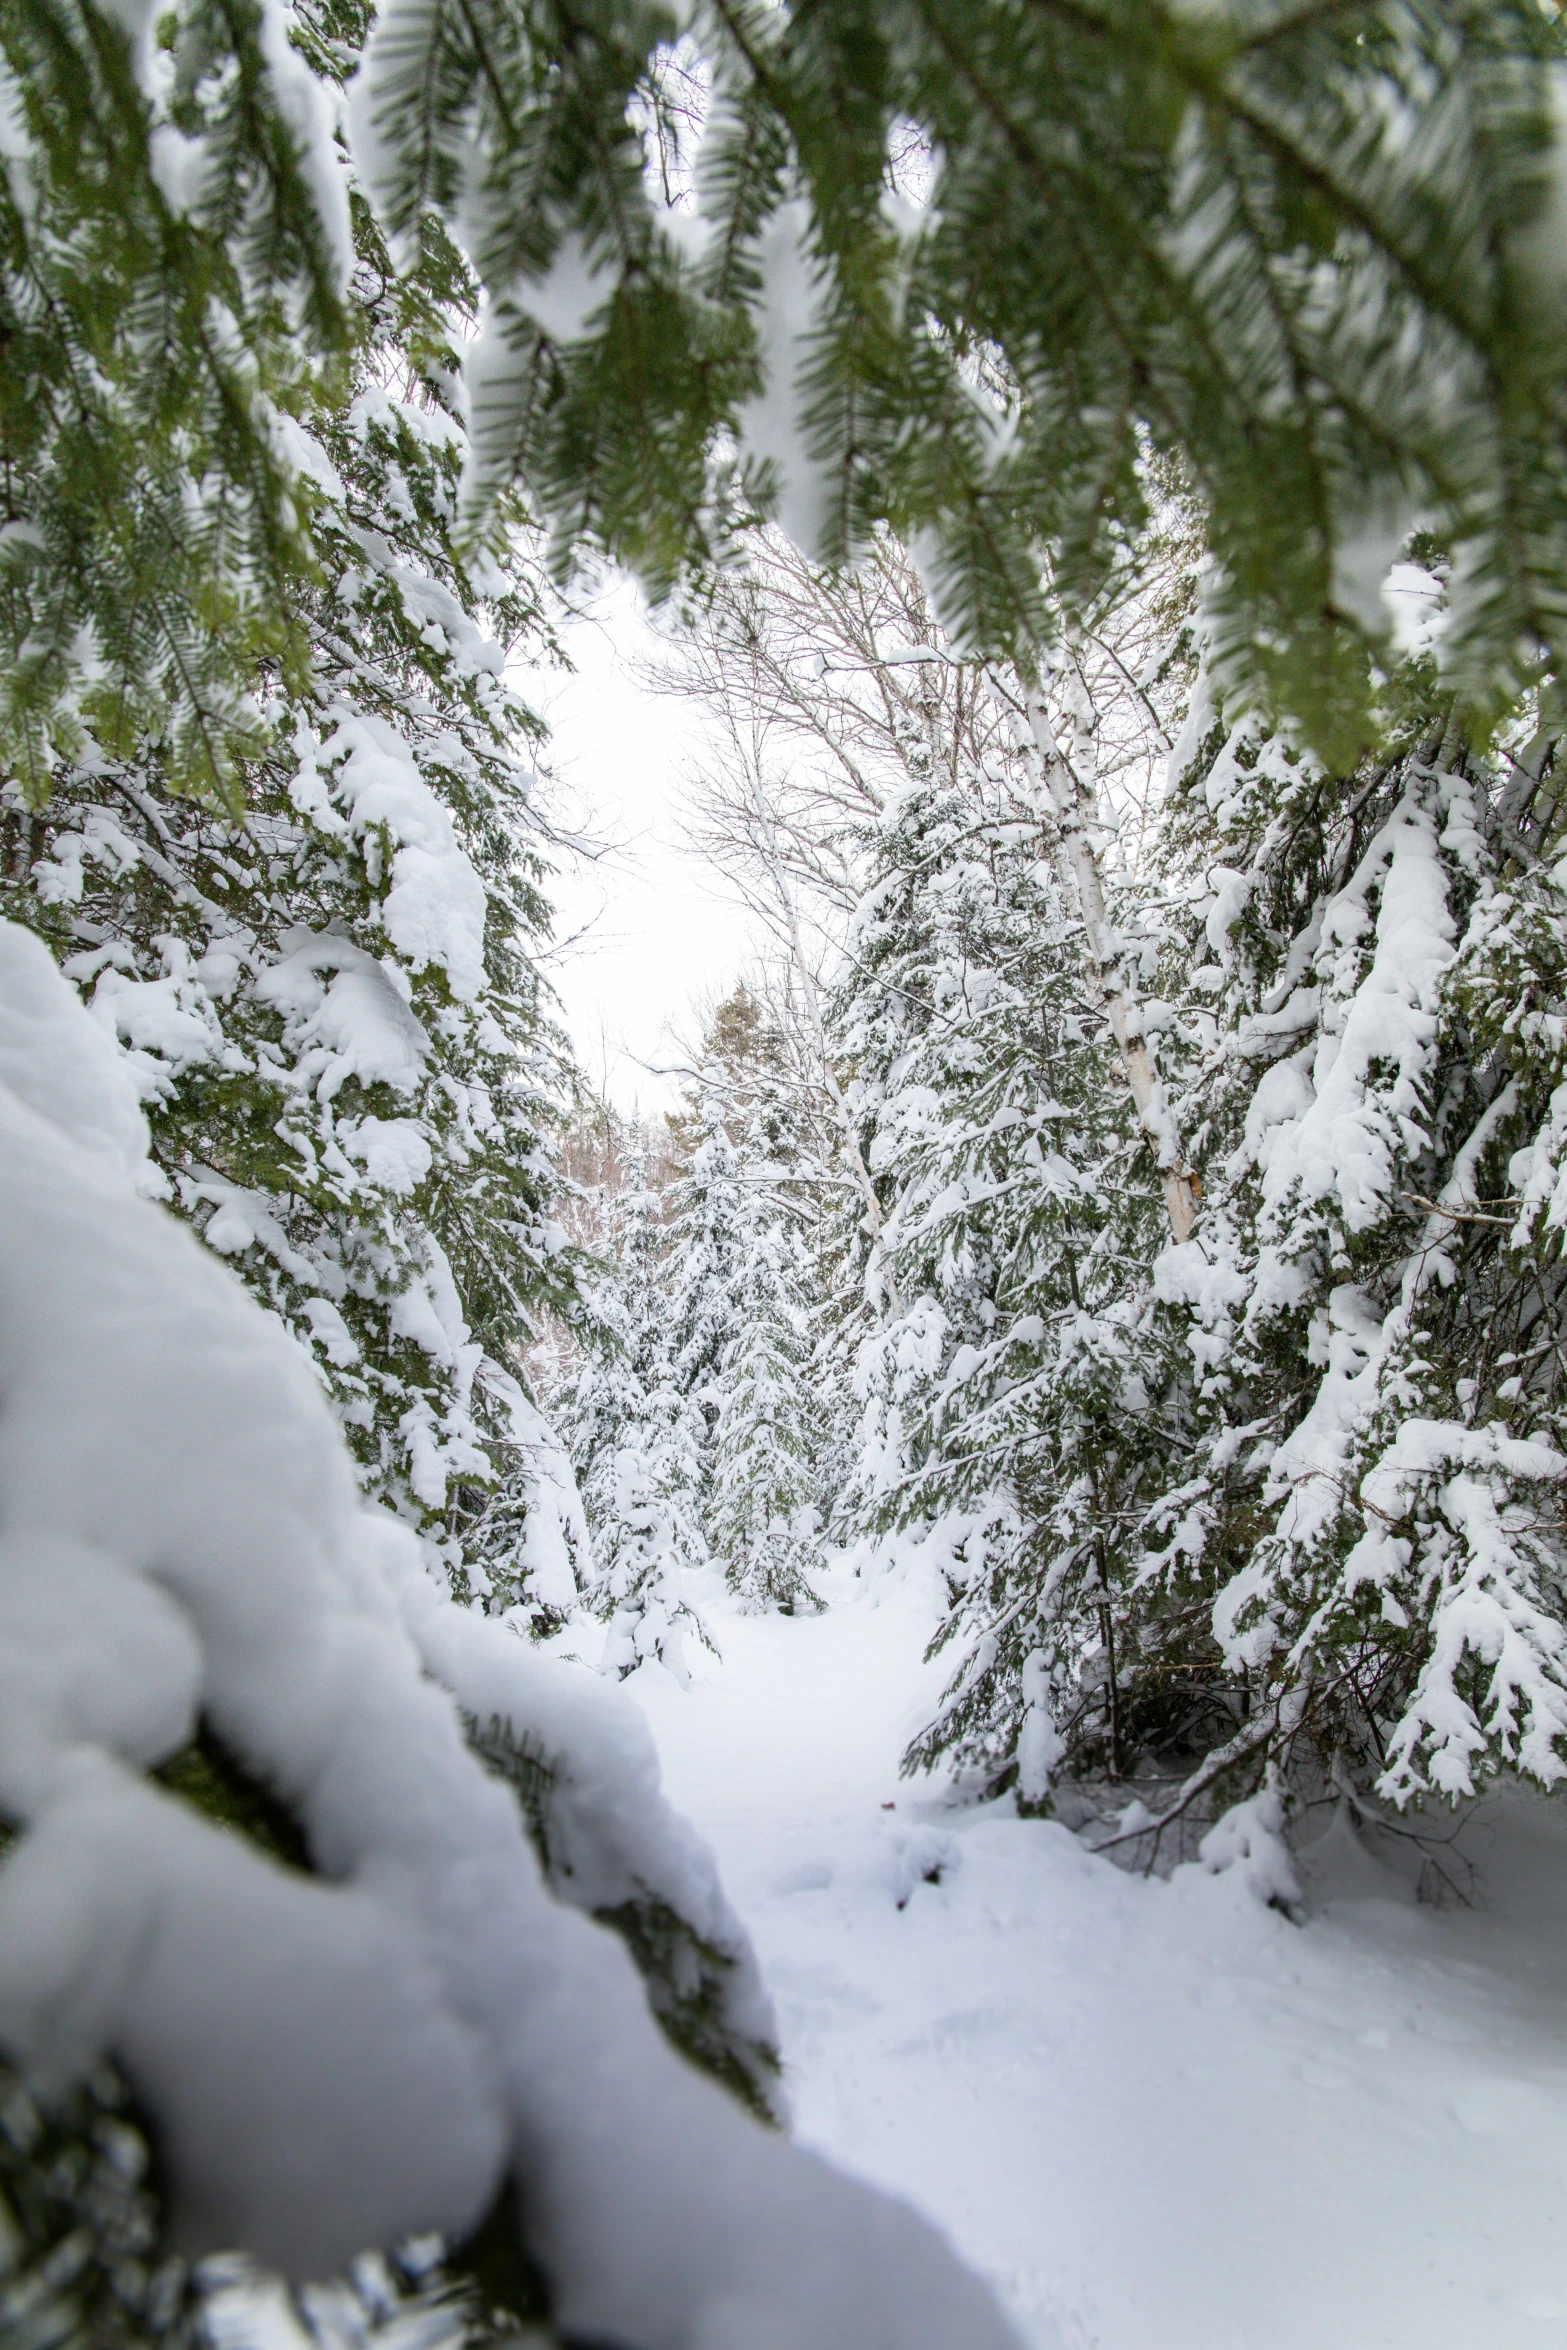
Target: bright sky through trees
(644, 930)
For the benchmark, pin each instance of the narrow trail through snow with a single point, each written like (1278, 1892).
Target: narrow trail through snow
(1157, 2116)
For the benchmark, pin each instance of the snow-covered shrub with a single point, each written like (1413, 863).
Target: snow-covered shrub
(339, 2056)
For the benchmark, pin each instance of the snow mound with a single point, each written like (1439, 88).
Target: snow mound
(67, 1072)
(340, 2059)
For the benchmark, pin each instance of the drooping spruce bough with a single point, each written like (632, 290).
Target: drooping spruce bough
(954, 267)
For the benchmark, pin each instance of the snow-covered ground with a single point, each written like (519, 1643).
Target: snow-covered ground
(1158, 2114)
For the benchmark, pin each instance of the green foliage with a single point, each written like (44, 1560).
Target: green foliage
(172, 258)
(609, 435)
(82, 2265)
(205, 1775)
(686, 1977)
(983, 257)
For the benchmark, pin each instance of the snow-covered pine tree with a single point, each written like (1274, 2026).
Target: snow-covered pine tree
(637, 1442)
(1360, 1565)
(737, 1281)
(764, 1512)
(1002, 1389)
(333, 1007)
(706, 1224)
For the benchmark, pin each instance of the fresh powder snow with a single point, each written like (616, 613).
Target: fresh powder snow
(1158, 2115)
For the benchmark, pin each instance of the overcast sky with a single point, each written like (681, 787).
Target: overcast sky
(654, 935)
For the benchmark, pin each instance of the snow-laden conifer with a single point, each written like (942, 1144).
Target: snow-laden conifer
(333, 1007)
(705, 1208)
(1354, 1569)
(1018, 1191)
(764, 1512)
(637, 1443)
(1296, 1503)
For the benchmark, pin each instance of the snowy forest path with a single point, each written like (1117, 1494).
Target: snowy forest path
(1157, 2116)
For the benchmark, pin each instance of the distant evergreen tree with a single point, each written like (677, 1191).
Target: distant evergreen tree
(764, 1516)
(637, 1445)
(707, 1236)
